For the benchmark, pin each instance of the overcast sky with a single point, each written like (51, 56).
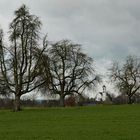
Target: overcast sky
(108, 29)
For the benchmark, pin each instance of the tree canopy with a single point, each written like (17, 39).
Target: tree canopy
(70, 70)
(18, 64)
(127, 76)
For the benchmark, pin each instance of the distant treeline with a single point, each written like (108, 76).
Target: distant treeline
(7, 103)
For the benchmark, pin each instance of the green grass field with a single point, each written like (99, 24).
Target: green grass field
(78, 123)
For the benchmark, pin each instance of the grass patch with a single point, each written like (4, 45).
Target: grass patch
(80, 123)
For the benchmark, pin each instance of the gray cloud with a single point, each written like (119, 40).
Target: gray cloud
(107, 29)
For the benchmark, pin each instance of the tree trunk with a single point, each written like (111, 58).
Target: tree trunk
(17, 103)
(130, 101)
(62, 101)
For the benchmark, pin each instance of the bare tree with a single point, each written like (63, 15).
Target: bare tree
(70, 71)
(127, 77)
(17, 62)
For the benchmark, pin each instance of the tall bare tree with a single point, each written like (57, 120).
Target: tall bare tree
(70, 71)
(18, 64)
(127, 77)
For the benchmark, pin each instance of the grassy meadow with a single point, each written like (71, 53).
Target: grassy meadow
(106, 122)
